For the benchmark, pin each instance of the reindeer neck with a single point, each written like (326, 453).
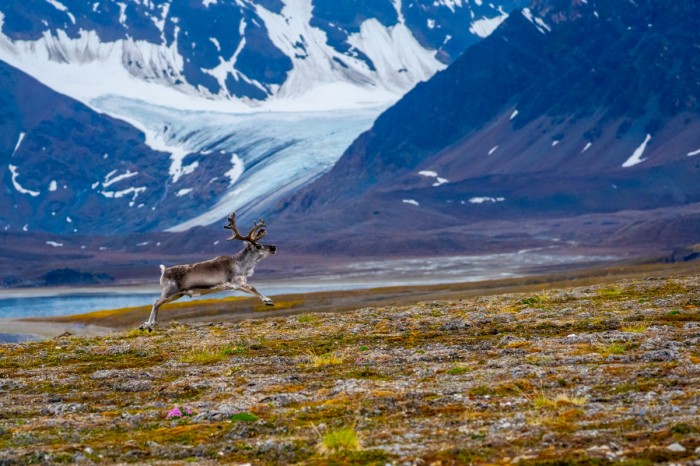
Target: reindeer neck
(247, 258)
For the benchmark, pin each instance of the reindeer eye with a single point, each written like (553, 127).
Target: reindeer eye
(257, 246)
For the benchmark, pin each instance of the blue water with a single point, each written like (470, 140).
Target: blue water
(42, 306)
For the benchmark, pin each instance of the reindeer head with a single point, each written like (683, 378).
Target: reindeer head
(254, 235)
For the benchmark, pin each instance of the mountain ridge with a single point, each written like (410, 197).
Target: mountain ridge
(252, 51)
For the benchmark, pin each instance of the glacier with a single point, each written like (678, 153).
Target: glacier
(272, 153)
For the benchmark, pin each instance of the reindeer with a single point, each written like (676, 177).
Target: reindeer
(218, 274)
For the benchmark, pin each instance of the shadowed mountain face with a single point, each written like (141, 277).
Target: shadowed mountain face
(568, 108)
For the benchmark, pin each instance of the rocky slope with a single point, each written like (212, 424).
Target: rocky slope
(595, 374)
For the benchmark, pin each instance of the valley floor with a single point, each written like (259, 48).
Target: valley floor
(593, 374)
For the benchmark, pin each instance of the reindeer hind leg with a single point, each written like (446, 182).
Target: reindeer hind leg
(166, 296)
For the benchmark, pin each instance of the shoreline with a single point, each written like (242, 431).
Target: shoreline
(27, 331)
(236, 308)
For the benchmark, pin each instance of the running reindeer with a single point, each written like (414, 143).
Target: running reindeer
(219, 274)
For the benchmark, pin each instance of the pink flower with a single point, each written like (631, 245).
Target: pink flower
(175, 412)
(188, 411)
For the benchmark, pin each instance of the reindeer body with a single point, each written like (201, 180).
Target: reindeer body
(214, 275)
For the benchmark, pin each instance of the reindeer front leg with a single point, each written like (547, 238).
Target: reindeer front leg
(164, 299)
(251, 289)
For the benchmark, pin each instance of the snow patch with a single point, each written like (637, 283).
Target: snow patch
(636, 157)
(484, 27)
(695, 152)
(61, 7)
(484, 199)
(109, 180)
(53, 186)
(399, 13)
(19, 187)
(451, 4)
(432, 174)
(493, 149)
(586, 147)
(54, 244)
(514, 114)
(410, 201)
(19, 141)
(183, 192)
(187, 169)
(122, 13)
(125, 192)
(236, 170)
(538, 22)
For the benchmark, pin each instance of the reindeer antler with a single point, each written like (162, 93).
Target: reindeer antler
(254, 235)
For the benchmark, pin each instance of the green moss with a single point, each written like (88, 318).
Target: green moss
(207, 355)
(244, 417)
(458, 370)
(531, 300)
(682, 428)
(307, 318)
(610, 292)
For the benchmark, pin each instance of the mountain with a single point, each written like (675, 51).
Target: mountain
(168, 114)
(243, 50)
(572, 113)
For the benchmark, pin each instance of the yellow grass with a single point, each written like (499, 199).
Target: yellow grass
(344, 439)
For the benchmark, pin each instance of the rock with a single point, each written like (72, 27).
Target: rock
(133, 386)
(62, 408)
(660, 355)
(676, 447)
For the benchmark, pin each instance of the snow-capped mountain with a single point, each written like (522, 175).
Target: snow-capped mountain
(307, 51)
(571, 108)
(239, 102)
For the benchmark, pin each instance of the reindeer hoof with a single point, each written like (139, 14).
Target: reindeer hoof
(147, 326)
(269, 302)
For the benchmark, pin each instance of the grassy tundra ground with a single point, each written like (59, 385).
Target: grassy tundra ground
(594, 374)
